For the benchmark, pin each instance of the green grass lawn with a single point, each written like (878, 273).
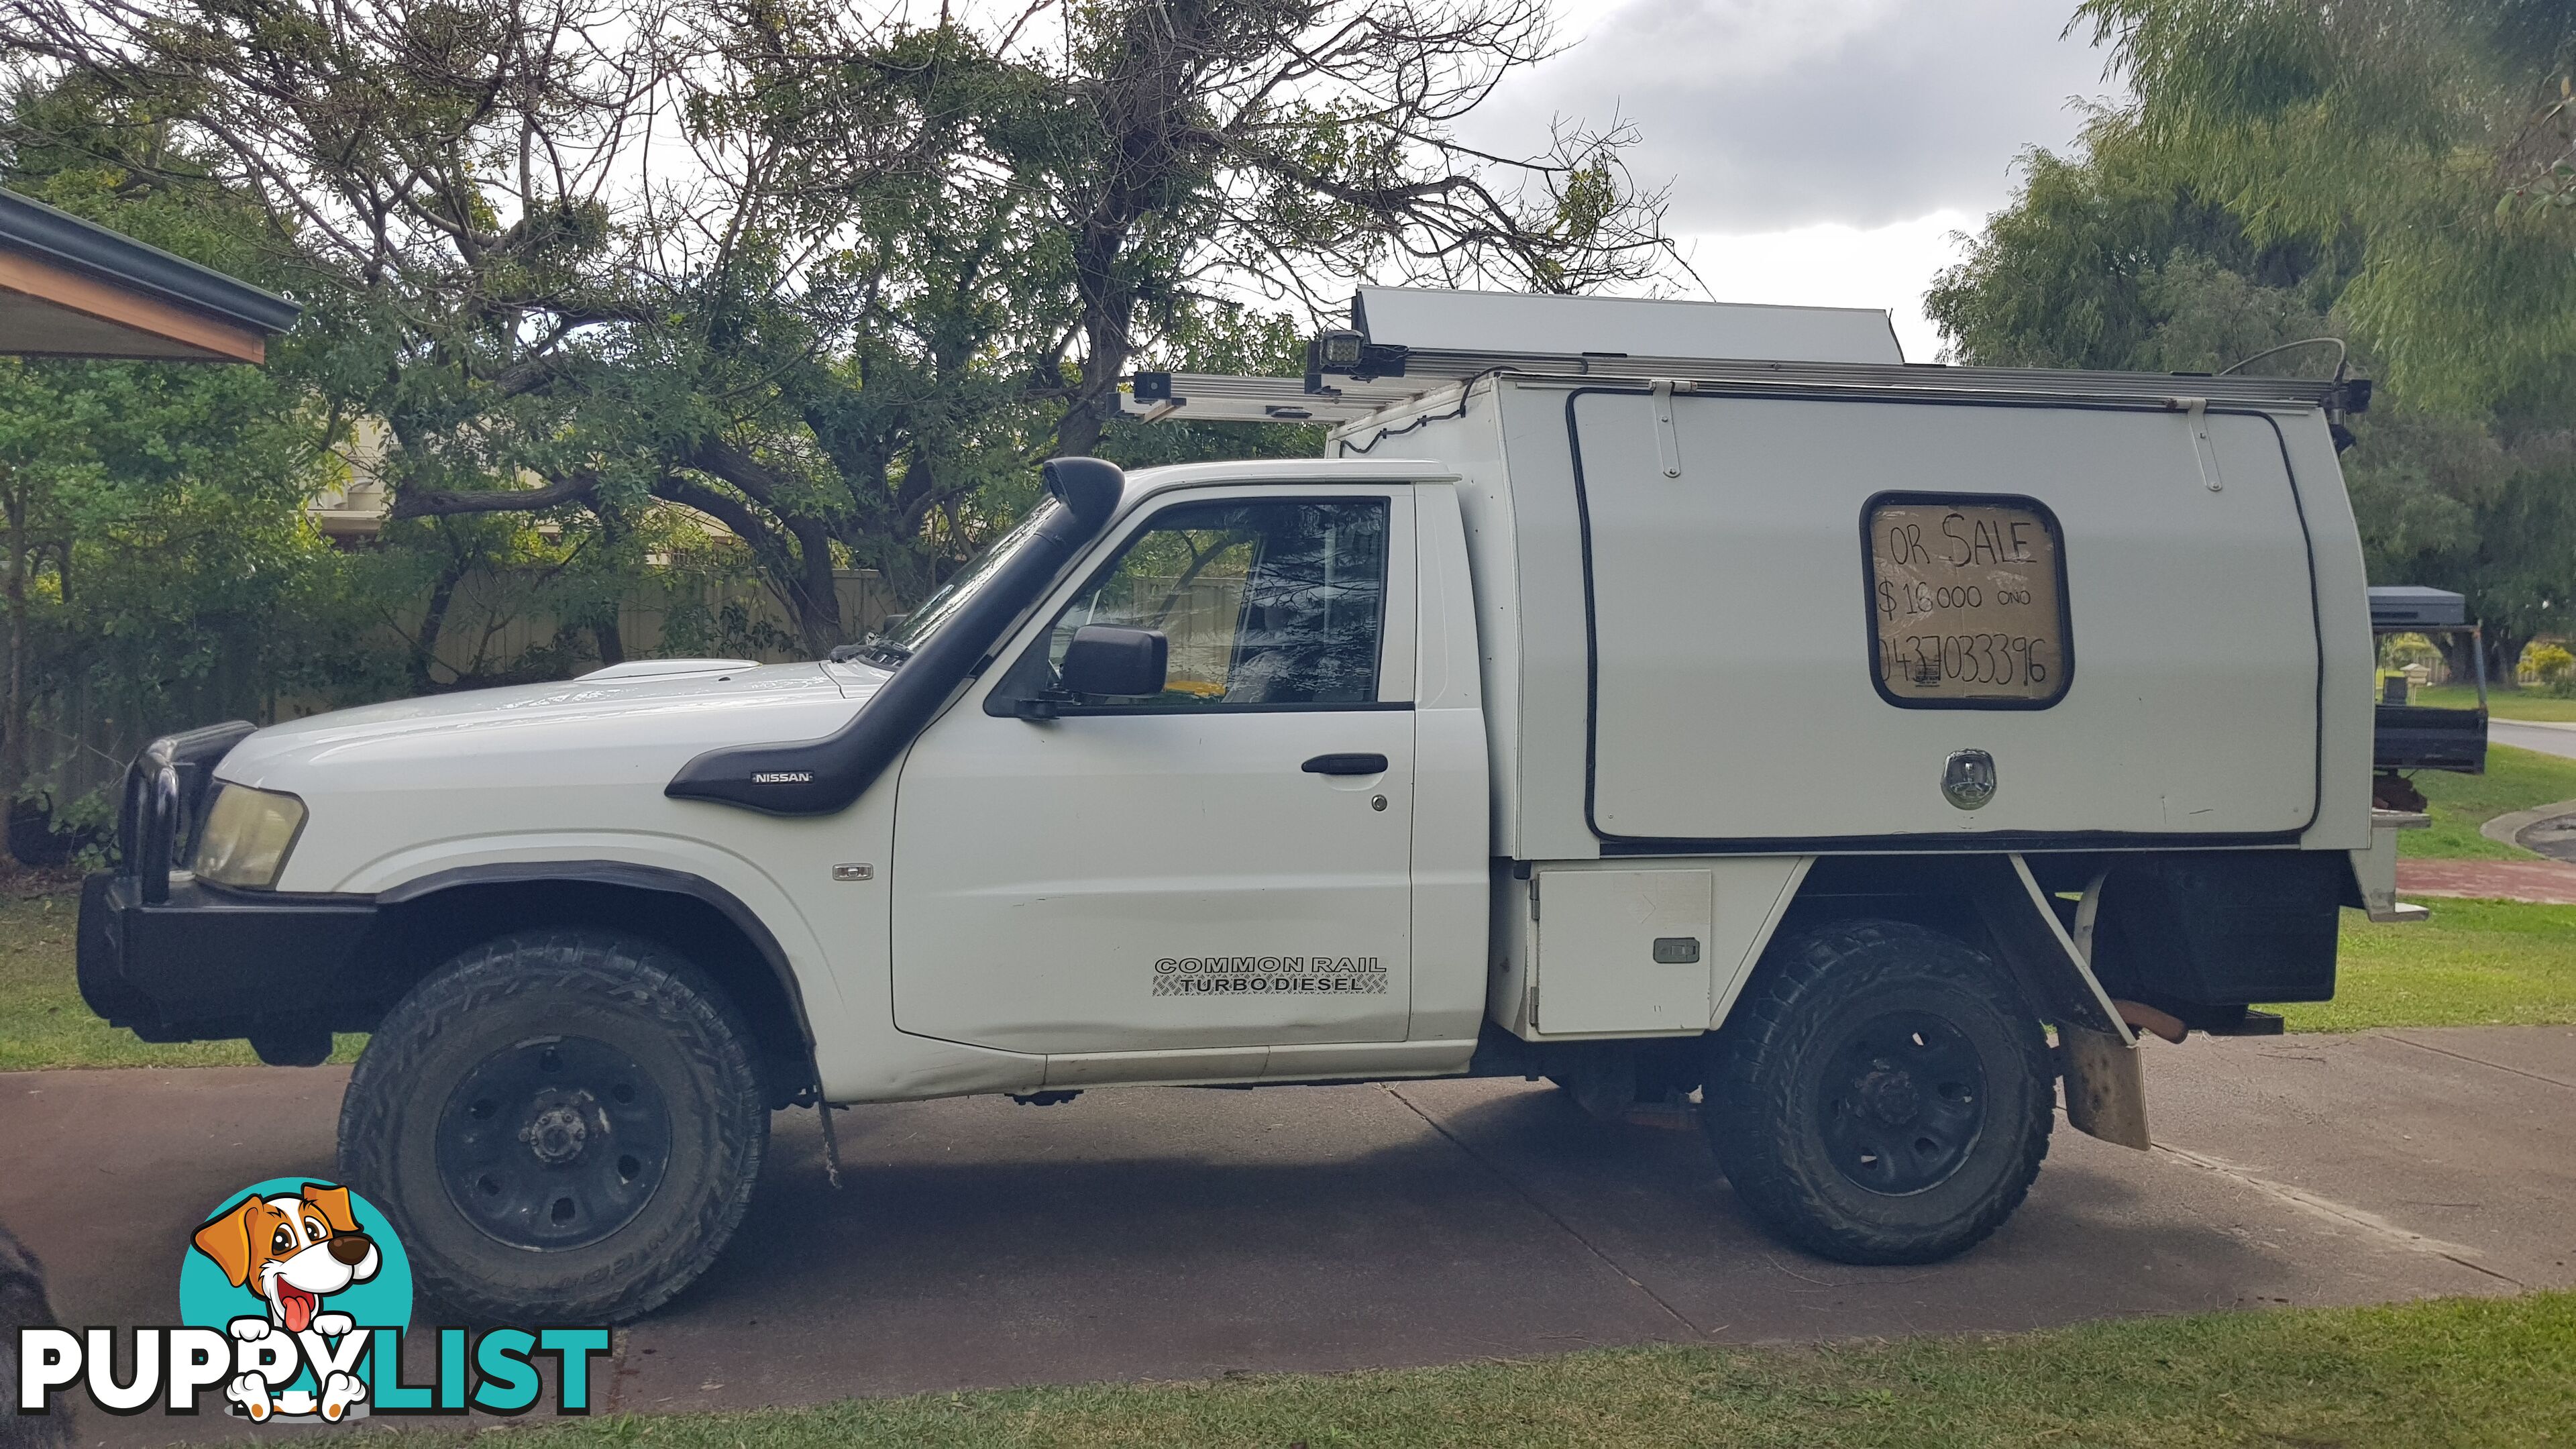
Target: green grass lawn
(2515, 780)
(2475, 963)
(2490, 1373)
(2501, 703)
(44, 1023)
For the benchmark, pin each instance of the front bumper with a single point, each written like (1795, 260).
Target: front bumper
(208, 964)
(170, 958)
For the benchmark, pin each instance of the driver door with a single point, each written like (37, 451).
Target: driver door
(1224, 864)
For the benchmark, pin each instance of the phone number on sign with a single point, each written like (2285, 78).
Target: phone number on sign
(1928, 661)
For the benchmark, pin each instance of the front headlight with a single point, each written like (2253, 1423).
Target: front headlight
(248, 833)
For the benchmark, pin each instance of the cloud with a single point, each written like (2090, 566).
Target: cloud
(1688, 44)
(1830, 264)
(1771, 114)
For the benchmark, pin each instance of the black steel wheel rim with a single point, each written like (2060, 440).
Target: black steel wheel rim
(553, 1143)
(1904, 1101)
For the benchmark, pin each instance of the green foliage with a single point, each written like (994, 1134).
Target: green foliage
(2552, 668)
(2074, 272)
(2461, 1373)
(156, 512)
(167, 573)
(2293, 170)
(895, 263)
(2408, 128)
(2473, 963)
(2397, 651)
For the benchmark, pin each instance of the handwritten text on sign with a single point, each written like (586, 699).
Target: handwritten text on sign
(1965, 595)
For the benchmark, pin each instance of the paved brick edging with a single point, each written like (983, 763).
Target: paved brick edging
(2540, 882)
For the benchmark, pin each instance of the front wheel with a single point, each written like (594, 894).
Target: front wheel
(1884, 1096)
(564, 1126)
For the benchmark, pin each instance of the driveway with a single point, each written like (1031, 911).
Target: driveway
(2550, 738)
(1171, 1233)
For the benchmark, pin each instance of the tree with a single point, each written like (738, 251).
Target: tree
(831, 281)
(2281, 177)
(2435, 137)
(2074, 272)
(2103, 261)
(154, 561)
(1173, 147)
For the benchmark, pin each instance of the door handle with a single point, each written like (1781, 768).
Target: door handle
(1345, 765)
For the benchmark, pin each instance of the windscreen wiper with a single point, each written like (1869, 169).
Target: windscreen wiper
(885, 654)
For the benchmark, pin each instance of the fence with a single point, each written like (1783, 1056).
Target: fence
(78, 744)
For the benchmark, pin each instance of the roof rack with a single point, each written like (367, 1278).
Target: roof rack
(1217, 397)
(1360, 373)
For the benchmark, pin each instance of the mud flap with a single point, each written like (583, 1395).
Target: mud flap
(2106, 1094)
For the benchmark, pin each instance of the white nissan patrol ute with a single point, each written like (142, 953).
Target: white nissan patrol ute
(1797, 742)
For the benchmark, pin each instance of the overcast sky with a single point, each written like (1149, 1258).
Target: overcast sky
(1820, 151)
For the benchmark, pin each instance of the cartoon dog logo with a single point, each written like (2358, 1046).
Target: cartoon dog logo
(291, 1253)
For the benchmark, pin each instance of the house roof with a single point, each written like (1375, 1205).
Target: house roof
(70, 288)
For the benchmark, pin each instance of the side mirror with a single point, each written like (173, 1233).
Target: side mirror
(1107, 659)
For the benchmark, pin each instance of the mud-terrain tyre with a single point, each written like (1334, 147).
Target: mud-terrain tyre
(1884, 1094)
(565, 1126)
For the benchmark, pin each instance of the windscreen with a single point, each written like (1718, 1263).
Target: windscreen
(906, 639)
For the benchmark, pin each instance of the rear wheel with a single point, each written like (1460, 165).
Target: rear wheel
(1884, 1097)
(564, 1126)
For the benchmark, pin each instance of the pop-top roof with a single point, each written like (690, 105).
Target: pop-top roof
(1513, 324)
(2403, 606)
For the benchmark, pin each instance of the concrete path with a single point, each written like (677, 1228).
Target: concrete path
(1183, 1234)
